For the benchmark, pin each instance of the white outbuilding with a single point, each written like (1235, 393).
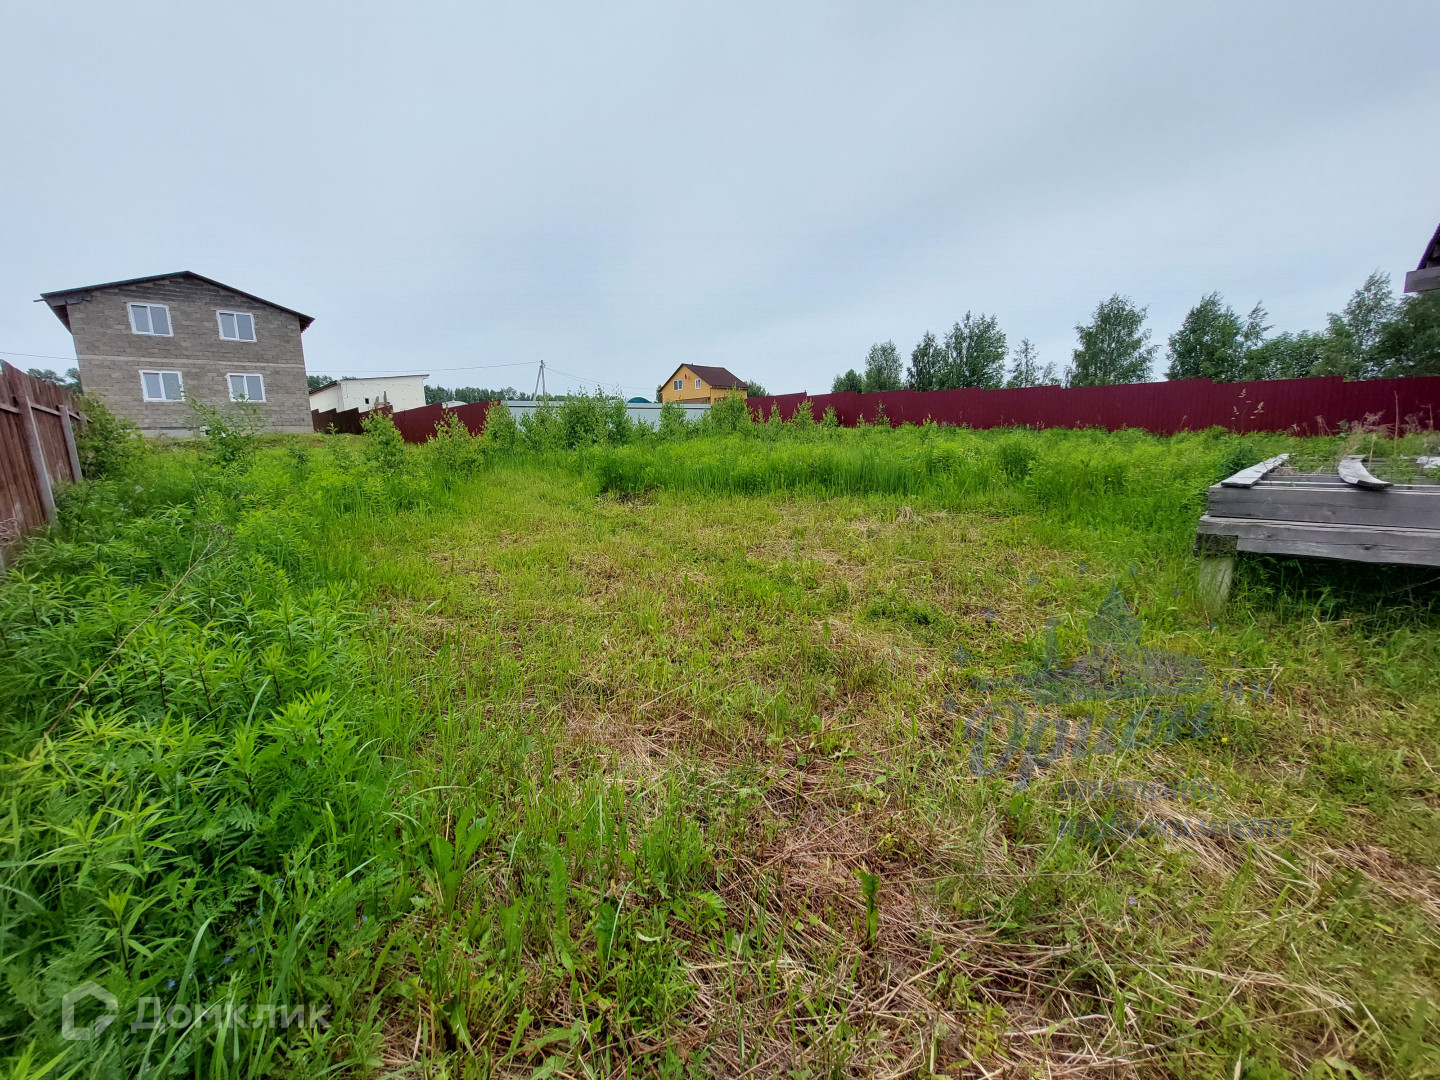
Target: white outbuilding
(400, 392)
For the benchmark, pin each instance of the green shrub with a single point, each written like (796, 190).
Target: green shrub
(621, 427)
(542, 429)
(107, 445)
(232, 436)
(384, 444)
(584, 420)
(501, 432)
(673, 424)
(453, 450)
(728, 415)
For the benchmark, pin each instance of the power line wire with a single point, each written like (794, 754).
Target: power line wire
(35, 355)
(577, 378)
(549, 368)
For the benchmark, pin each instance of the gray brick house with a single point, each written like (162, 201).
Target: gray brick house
(148, 346)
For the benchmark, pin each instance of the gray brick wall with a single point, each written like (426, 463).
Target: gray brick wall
(111, 356)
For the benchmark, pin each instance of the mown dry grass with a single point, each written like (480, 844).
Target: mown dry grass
(773, 670)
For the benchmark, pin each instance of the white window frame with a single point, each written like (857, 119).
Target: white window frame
(679, 384)
(131, 305)
(697, 383)
(145, 393)
(220, 325)
(245, 375)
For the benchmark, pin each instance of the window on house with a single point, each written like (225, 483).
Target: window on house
(237, 325)
(247, 388)
(162, 386)
(697, 384)
(679, 384)
(150, 319)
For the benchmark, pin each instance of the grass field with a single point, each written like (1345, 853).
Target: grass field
(649, 760)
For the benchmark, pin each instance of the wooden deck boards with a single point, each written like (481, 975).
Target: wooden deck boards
(1405, 507)
(1326, 540)
(1349, 514)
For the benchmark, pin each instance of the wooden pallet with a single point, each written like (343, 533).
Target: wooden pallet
(1349, 514)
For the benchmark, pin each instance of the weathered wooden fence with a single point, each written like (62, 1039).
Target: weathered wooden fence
(37, 451)
(342, 422)
(1315, 406)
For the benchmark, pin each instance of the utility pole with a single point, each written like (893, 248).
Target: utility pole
(540, 383)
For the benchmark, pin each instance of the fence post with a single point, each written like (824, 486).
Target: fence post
(37, 456)
(70, 444)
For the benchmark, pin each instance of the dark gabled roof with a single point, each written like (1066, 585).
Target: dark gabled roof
(56, 299)
(718, 377)
(1432, 253)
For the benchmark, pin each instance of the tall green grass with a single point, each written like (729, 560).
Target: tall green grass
(260, 752)
(197, 808)
(211, 809)
(1127, 478)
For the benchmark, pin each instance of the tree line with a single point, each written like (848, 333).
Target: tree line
(1373, 336)
(438, 395)
(69, 381)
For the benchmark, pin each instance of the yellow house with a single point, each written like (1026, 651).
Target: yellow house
(692, 384)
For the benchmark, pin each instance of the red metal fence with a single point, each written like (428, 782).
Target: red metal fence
(1301, 406)
(417, 425)
(37, 450)
(38, 418)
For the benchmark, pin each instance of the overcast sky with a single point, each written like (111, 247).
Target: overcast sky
(619, 188)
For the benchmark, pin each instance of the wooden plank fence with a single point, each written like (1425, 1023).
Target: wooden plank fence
(346, 422)
(37, 451)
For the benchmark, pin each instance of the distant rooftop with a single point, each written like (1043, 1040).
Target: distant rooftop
(718, 377)
(1426, 276)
